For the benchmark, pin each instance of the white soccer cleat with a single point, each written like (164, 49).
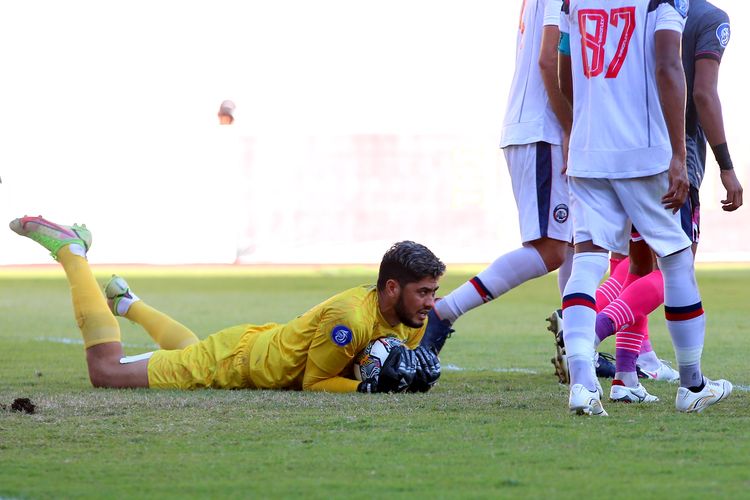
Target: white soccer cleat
(119, 296)
(663, 373)
(585, 402)
(695, 402)
(621, 393)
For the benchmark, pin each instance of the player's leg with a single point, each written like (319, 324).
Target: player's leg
(99, 328)
(625, 386)
(650, 366)
(649, 363)
(563, 272)
(682, 302)
(167, 332)
(605, 293)
(636, 301)
(599, 226)
(541, 196)
(612, 286)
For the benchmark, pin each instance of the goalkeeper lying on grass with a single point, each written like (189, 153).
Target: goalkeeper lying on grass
(314, 351)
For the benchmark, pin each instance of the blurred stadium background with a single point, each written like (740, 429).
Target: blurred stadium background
(357, 124)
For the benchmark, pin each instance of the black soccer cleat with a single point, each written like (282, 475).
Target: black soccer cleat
(605, 366)
(437, 332)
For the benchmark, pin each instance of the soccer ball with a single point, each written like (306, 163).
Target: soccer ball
(368, 362)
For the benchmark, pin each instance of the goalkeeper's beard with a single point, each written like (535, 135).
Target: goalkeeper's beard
(400, 309)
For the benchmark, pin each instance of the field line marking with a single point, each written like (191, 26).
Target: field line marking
(454, 368)
(69, 341)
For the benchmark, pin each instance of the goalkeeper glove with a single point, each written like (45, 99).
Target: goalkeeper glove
(396, 374)
(428, 369)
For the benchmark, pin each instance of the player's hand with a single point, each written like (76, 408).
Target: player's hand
(428, 369)
(398, 370)
(369, 386)
(679, 186)
(734, 191)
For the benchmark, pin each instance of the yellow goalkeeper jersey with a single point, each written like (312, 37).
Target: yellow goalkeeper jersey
(314, 351)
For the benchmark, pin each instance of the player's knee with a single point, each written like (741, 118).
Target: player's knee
(552, 252)
(103, 361)
(100, 377)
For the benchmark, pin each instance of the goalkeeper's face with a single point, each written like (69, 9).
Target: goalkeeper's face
(415, 301)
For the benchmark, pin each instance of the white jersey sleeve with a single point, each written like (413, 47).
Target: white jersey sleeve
(552, 13)
(667, 18)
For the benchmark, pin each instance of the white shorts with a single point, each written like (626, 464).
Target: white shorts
(603, 210)
(541, 191)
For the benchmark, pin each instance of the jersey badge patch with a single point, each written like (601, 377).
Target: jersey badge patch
(341, 335)
(682, 6)
(723, 33)
(560, 213)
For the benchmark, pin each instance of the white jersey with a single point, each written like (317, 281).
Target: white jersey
(618, 125)
(528, 116)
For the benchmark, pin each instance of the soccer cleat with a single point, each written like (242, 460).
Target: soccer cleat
(695, 402)
(663, 373)
(437, 332)
(604, 364)
(582, 401)
(119, 296)
(52, 236)
(556, 325)
(621, 393)
(560, 361)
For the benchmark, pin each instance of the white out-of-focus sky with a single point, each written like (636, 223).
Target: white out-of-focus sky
(317, 67)
(90, 88)
(328, 66)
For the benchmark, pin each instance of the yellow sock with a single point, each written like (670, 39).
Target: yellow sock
(165, 331)
(96, 322)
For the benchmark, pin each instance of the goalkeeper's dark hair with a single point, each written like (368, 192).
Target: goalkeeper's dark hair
(409, 262)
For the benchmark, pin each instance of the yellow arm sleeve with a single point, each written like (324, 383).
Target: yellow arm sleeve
(318, 380)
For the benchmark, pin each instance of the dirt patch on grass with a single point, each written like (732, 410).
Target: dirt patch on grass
(22, 405)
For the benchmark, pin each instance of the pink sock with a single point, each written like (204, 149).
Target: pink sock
(637, 300)
(613, 263)
(611, 288)
(630, 278)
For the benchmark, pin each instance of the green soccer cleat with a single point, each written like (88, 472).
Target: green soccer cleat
(52, 236)
(119, 296)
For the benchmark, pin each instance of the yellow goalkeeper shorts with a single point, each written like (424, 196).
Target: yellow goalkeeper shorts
(219, 361)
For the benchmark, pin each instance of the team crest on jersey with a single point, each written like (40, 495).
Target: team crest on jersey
(723, 33)
(560, 213)
(682, 6)
(341, 335)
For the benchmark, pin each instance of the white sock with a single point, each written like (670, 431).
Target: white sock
(563, 274)
(684, 311)
(506, 273)
(579, 315)
(123, 306)
(648, 361)
(630, 379)
(77, 249)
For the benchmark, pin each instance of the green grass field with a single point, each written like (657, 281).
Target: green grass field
(496, 426)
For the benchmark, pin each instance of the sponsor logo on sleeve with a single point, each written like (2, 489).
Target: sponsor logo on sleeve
(723, 33)
(682, 6)
(341, 335)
